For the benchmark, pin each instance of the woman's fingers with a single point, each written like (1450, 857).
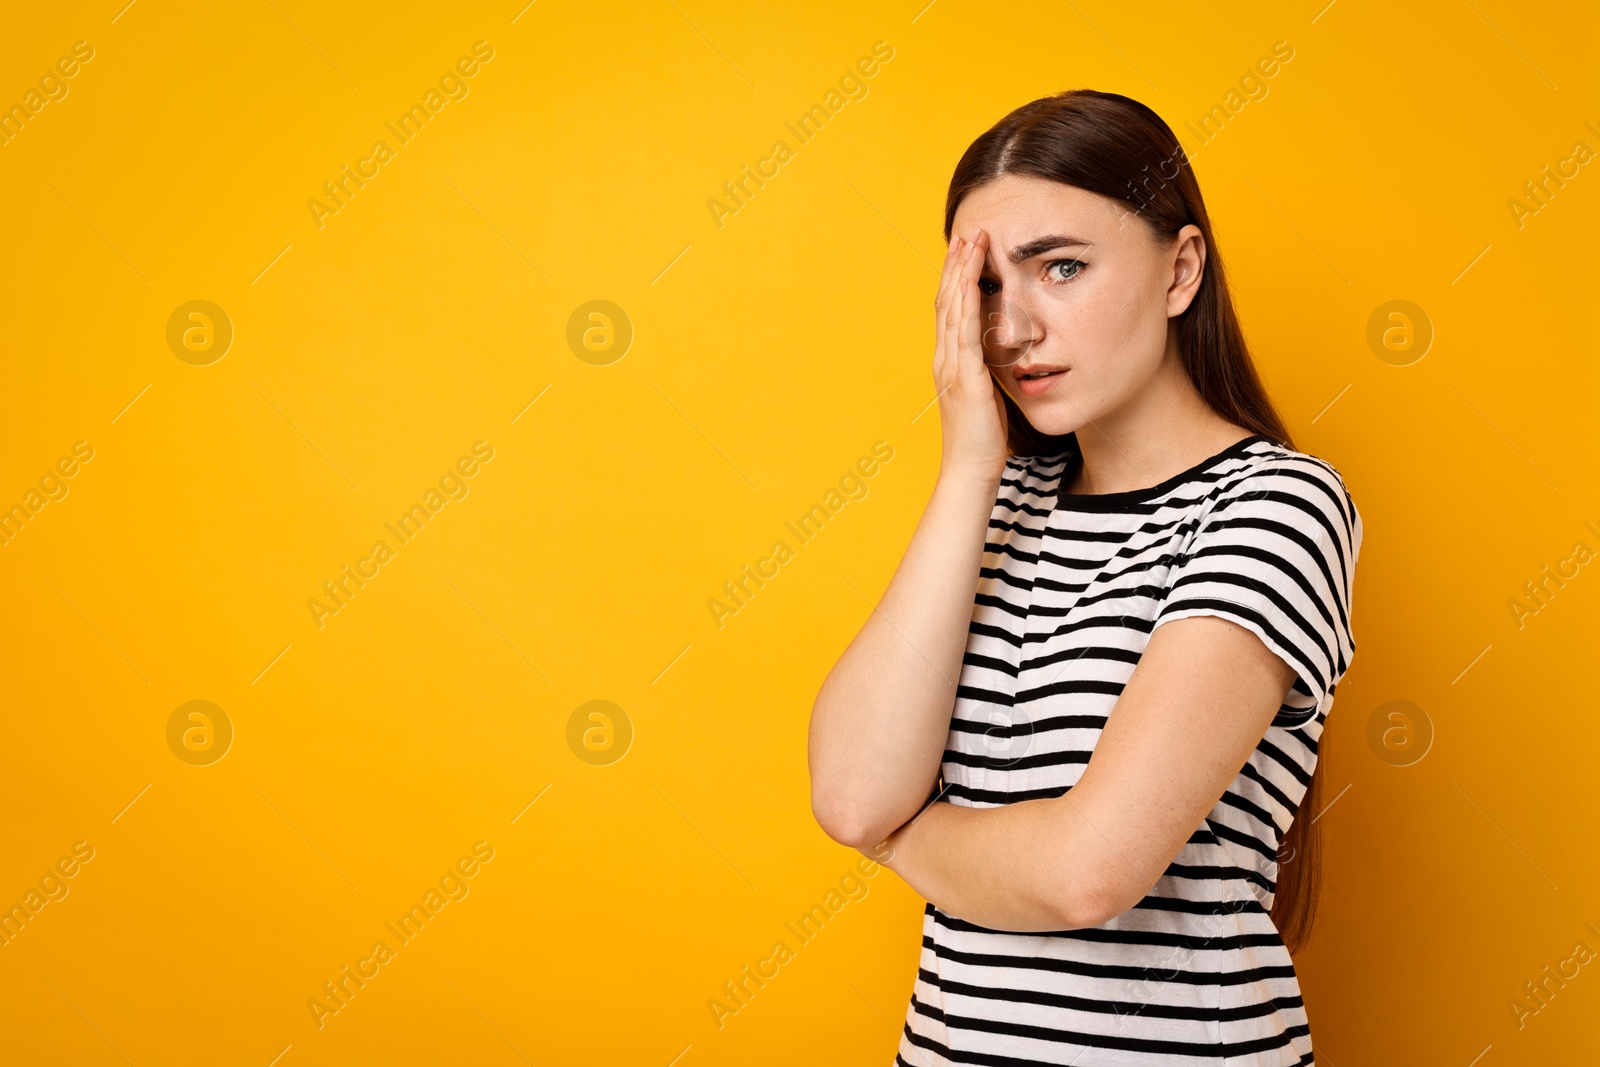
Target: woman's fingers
(957, 310)
(948, 274)
(952, 338)
(970, 356)
(974, 432)
(964, 274)
(968, 334)
(941, 306)
(956, 273)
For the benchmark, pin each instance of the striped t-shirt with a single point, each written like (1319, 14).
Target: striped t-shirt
(1070, 590)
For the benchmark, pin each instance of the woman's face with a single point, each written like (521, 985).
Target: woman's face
(1074, 282)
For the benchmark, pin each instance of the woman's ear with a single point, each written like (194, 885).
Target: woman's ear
(1188, 269)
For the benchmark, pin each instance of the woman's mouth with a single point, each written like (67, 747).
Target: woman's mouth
(1037, 383)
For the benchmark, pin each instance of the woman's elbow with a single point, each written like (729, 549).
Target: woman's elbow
(1094, 902)
(840, 819)
(1087, 899)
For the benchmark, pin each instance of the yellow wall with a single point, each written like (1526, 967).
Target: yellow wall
(374, 347)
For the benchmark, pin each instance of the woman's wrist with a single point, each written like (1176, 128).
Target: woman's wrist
(960, 479)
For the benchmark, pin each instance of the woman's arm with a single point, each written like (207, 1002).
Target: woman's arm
(1204, 693)
(881, 718)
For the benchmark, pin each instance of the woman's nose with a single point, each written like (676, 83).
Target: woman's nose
(1008, 325)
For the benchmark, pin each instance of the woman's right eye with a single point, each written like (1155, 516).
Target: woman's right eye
(984, 283)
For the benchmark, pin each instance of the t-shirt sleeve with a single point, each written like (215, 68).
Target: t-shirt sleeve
(1276, 553)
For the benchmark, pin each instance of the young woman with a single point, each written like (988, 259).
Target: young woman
(1110, 650)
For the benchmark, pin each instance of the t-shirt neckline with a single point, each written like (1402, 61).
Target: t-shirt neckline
(1111, 501)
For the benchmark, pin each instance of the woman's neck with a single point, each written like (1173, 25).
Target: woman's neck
(1106, 465)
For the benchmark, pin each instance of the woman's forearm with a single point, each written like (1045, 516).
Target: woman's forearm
(1026, 867)
(880, 721)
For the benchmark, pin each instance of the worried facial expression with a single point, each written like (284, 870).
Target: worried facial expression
(1074, 283)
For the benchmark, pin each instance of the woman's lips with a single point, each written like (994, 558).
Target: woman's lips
(1039, 386)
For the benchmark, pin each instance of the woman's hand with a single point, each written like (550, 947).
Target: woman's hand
(972, 409)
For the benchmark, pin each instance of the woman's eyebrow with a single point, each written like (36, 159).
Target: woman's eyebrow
(1043, 244)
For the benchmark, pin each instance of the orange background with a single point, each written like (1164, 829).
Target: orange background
(768, 355)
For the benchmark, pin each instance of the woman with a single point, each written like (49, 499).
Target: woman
(1141, 538)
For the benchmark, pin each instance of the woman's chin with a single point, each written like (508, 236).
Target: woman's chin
(1050, 416)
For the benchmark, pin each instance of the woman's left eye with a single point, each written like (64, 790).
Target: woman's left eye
(989, 287)
(1054, 263)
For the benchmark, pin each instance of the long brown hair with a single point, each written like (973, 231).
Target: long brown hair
(1115, 146)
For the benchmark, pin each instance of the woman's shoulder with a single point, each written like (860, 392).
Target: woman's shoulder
(1264, 460)
(1272, 471)
(1267, 453)
(1049, 466)
(1031, 481)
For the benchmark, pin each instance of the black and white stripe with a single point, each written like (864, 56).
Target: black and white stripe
(1070, 590)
